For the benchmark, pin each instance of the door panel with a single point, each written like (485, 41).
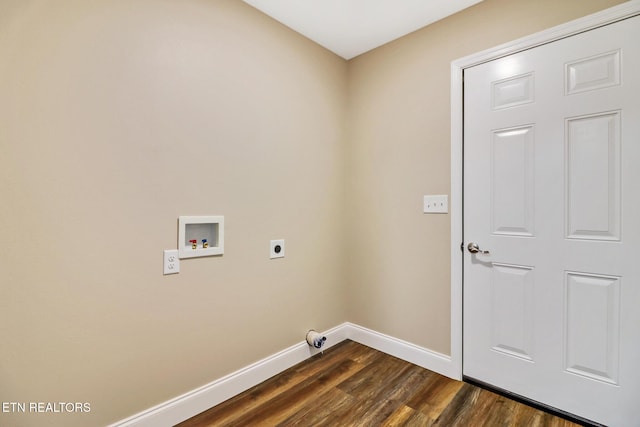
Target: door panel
(511, 310)
(512, 181)
(551, 191)
(596, 72)
(593, 177)
(592, 314)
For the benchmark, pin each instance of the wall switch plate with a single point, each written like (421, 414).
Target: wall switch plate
(171, 261)
(276, 249)
(436, 204)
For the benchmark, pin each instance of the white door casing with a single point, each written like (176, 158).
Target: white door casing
(551, 146)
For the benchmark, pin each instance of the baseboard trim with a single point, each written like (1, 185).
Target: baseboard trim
(196, 401)
(404, 350)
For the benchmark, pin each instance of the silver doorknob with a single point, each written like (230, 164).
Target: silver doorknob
(475, 249)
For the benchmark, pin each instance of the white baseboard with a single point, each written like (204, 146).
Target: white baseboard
(428, 359)
(196, 401)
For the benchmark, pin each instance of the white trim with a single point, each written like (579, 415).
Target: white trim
(607, 16)
(404, 350)
(456, 218)
(196, 401)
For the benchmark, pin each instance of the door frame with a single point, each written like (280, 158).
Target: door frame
(599, 19)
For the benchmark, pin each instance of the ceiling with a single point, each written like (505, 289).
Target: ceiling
(352, 27)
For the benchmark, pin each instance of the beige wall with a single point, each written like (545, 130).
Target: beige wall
(117, 117)
(399, 150)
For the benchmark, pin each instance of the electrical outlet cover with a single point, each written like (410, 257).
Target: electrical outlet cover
(276, 249)
(171, 263)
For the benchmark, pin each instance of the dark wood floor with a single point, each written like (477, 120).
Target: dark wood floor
(354, 385)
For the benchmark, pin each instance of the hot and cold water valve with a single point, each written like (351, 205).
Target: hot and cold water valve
(194, 244)
(314, 339)
(200, 236)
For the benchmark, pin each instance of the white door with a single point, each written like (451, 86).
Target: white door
(552, 192)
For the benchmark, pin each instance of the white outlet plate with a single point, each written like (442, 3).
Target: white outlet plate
(276, 249)
(436, 204)
(171, 263)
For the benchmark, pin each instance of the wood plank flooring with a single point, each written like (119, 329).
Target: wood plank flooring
(354, 385)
